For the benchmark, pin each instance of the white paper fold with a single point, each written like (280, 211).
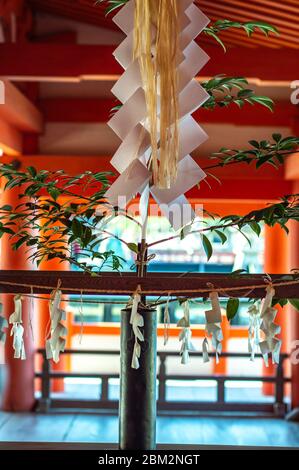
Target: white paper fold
(213, 325)
(131, 122)
(189, 174)
(185, 336)
(128, 184)
(17, 330)
(137, 322)
(56, 343)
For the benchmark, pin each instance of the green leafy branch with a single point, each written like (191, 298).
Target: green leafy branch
(264, 152)
(54, 212)
(225, 91)
(249, 27)
(221, 89)
(275, 214)
(112, 5)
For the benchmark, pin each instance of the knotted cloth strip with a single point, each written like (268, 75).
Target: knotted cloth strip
(270, 344)
(213, 327)
(158, 95)
(253, 330)
(185, 335)
(137, 322)
(17, 330)
(56, 343)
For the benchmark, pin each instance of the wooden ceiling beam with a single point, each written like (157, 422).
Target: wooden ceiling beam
(77, 62)
(18, 111)
(93, 110)
(11, 141)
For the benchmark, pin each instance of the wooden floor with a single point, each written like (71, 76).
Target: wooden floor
(91, 428)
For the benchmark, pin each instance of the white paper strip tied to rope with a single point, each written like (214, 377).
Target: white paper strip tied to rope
(213, 327)
(56, 343)
(186, 335)
(270, 344)
(17, 330)
(253, 330)
(137, 322)
(131, 122)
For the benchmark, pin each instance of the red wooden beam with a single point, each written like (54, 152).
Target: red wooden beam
(96, 61)
(76, 109)
(73, 283)
(98, 110)
(238, 189)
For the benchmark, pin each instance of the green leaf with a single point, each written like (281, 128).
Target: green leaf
(54, 193)
(277, 137)
(232, 308)
(77, 228)
(6, 208)
(207, 246)
(133, 247)
(254, 143)
(295, 303)
(32, 171)
(255, 227)
(262, 100)
(238, 272)
(222, 236)
(20, 242)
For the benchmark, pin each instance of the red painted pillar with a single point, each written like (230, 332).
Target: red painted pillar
(276, 262)
(294, 314)
(19, 386)
(43, 322)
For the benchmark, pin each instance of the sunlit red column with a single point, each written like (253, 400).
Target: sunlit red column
(275, 262)
(44, 321)
(294, 314)
(19, 384)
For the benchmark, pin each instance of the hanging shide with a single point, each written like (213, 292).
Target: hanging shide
(156, 41)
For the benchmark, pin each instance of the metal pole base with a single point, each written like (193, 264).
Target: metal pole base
(138, 404)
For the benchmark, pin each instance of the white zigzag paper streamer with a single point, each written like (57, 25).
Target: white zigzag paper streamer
(270, 344)
(56, 344)
(17, 330)
(253, 330)
(186, 335)
(213, 327)
(131, 125)
(137, 322)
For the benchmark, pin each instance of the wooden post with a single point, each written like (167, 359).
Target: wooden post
(138, 387)
(138, 403)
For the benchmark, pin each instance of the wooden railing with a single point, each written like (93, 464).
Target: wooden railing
(278, 407)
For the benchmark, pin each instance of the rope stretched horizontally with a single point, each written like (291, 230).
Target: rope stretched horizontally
(155, 291)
